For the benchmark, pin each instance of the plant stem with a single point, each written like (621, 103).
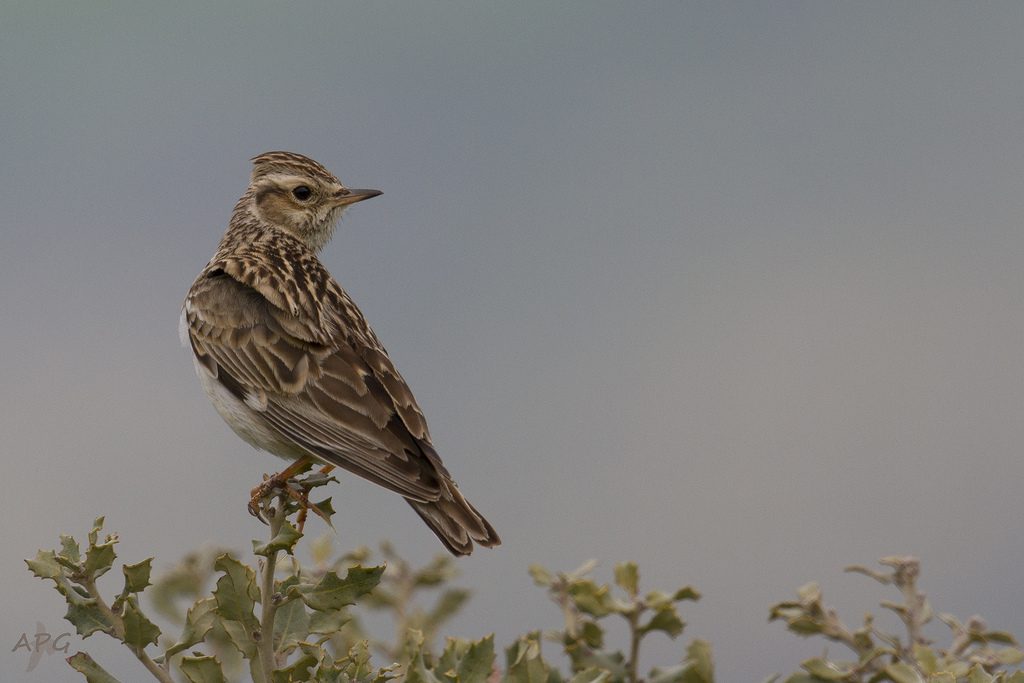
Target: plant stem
(117, 623)
(634, 642)
(912, 613)
(268, 605)
(404, 595)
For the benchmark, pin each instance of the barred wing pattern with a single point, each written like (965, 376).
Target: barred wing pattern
(311, 378)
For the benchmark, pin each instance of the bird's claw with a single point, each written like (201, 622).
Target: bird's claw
(283, 482)
(259, 493)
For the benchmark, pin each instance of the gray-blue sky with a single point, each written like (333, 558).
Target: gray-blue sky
(731, 289)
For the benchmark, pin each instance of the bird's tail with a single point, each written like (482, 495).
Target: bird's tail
(455, 521)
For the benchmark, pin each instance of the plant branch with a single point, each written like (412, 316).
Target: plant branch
(117, 623)
(268, 602)
(634, 641)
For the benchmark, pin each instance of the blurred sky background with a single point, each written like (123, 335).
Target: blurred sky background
(732, 289)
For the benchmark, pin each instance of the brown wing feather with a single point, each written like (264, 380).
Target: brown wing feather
(346, 406)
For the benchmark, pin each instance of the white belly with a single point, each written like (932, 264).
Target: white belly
(245, 421)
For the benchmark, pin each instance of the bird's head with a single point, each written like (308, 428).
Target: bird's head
(298, 195)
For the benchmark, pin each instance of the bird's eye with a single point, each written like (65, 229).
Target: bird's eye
(302, 193)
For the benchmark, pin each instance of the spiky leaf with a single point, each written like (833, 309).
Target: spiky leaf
(241, 636)
(665, 620)
(333, 592)
(198, 622)
(45, 565)
(416, 670)
(99, 557)
(291, 625)
(87, 618)
(590, 598)
(698, 656)
(979, 675)
(202, 669)
(297, 670)
(524, 663)
(285, 539)
(236, 592)
(69, 549)
(476, 665)
(136, 576)
(541, 576)
(236, 595)
(627, 577)
(87, 666)
(138, 630)
(327, 622)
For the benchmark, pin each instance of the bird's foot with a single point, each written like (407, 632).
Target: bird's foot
(288, 481)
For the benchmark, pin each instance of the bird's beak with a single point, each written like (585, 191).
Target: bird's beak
(352, 195)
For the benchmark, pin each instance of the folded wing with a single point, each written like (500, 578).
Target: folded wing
(333, 396)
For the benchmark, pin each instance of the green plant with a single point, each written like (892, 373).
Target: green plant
(280, 621)
(276, 625)
(586, 603)
(974, 653)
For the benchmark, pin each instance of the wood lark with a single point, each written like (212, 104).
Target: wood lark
(290, 363)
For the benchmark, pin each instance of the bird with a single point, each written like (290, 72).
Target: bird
(289, 361)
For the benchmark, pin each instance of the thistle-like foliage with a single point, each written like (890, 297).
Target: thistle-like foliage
(275, 620)
(975, 653)
(586, 604)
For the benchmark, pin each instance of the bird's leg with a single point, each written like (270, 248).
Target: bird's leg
(277, 481)
(304, 505)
